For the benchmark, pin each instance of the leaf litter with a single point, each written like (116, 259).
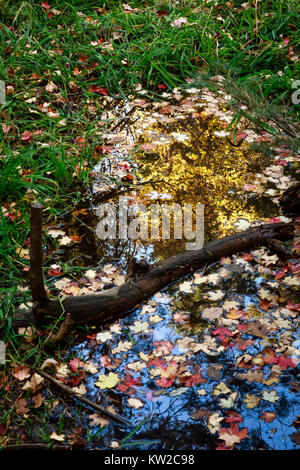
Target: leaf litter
(219, 348)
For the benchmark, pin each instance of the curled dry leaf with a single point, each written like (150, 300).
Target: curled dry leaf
(48, 363)
(57, 437)
(34, 383)
(251, 401)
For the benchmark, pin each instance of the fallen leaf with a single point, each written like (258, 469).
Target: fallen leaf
(98, 420)
(251, 401)
(107, 381)
(21, 373)
(57, 437)
(37, 399)
(221, 389)
(34, 383)
(270, 396)
(212, 313)
(135, 403)
(268, 416)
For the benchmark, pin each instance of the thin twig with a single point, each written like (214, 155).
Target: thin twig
(86, 401)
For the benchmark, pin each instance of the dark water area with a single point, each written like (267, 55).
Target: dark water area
(185, 379)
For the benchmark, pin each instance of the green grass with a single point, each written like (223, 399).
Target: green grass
(255, 49)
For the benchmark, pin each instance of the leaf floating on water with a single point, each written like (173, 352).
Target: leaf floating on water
(212, 313)
(179, 391)
(107, 381)
(135, 403)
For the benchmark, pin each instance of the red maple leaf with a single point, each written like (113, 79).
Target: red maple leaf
(157, 362)
(98, 89)
(265, 304)
(26, 135)
(74, 364)
(127, 383)
(283, 361)
(192, 380)
(234, 431)
(223, 333)
(164, 382)
(46, 6)
(233, 417)
(291, 306)
(163, 13)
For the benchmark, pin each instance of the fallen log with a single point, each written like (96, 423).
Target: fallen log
(144, 281)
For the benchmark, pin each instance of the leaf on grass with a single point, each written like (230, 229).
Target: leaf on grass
(21, 406)
(34, 383)
(21, 373)
(139, 327)
(57, 437)
(37, 399)
(48, 363)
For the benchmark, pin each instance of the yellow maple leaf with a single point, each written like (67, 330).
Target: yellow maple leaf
(221, 388)
(107, 381)
(251, 401)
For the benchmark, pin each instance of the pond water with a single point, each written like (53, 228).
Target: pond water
(209, 362)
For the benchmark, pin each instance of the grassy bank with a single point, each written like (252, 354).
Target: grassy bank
(62, 63)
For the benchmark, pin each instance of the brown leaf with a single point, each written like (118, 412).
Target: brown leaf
(200, 414)
(21, 373)
(34, 383)
(21, 406)
(268, 417)
(37, 400)
(98, 420)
